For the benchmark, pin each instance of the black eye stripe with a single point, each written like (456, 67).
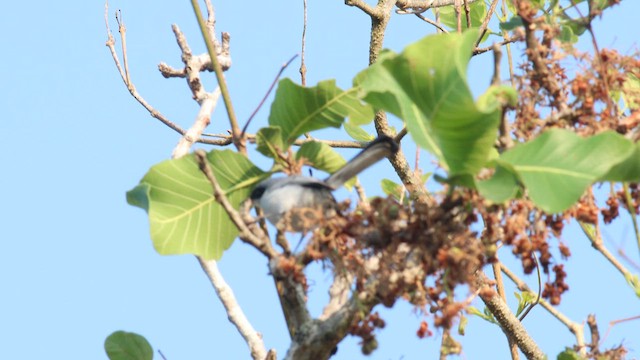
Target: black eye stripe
(258, 192)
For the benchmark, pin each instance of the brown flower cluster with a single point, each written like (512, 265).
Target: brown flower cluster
(394, 251)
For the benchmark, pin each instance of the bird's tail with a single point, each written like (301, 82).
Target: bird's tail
(378, 149)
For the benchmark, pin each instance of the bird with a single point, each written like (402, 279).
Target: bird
(278, 196)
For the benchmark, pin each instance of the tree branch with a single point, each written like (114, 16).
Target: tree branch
(574, 327)
(234, 311)
(510, 324)
(207, 30)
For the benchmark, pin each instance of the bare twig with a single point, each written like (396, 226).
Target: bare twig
(234, 312)
(238, 141)
(616, 322)
(127, 81)
(467, 13)
(506, 41)
(576, 328)
(509, 57)
(273, 84)
(456, 9)
(630, 209)
(123, 36)
(598, 244)
(429, 21)
(420, 6)
(261, 243)
(303, 67)
(593, 329)
(485, 22)
(225, 139)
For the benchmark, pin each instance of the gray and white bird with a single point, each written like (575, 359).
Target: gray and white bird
(278, 196)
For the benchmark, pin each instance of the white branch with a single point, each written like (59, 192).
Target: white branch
(234, 311)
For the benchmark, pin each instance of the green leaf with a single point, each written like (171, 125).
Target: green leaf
(392, 188)
(628, 170)
(323, 157)
(567, 35)
(462, 326)
(184, 217)
(486, 315)
(570, 354)
(634, 282)
(502, 186)
(558, 166)
(122, 345)
(524, 300)
(297, 109)
(362, 113)
(514, 22)
(269, 141)
(631, 91)
(477, 12)
(357, 133)
(426, 86)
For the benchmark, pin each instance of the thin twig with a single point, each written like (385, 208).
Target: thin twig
(467, 13)
(512, 79)
(456, 9)
(225, 139)
(238, 141)
(429, 21)
(259, 242)
(126, 79)
(616, 322)
(303, 67)
(123, 36)
(485, 22)
(575, 328)
(631, 210)
(506, 41)
(273, 84)
(598, 244)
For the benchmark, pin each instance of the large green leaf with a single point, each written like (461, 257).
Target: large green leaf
(426, 86)
(502, 186)
(184, 217)
(627, 170)
(269, 141)
(122, 345)
(297, 109)
(357, 133)
(321, 156)
(558, 166)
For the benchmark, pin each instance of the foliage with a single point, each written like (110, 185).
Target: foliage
(519, 162)
(122, 345)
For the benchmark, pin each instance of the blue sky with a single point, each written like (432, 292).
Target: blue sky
(77, 261)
